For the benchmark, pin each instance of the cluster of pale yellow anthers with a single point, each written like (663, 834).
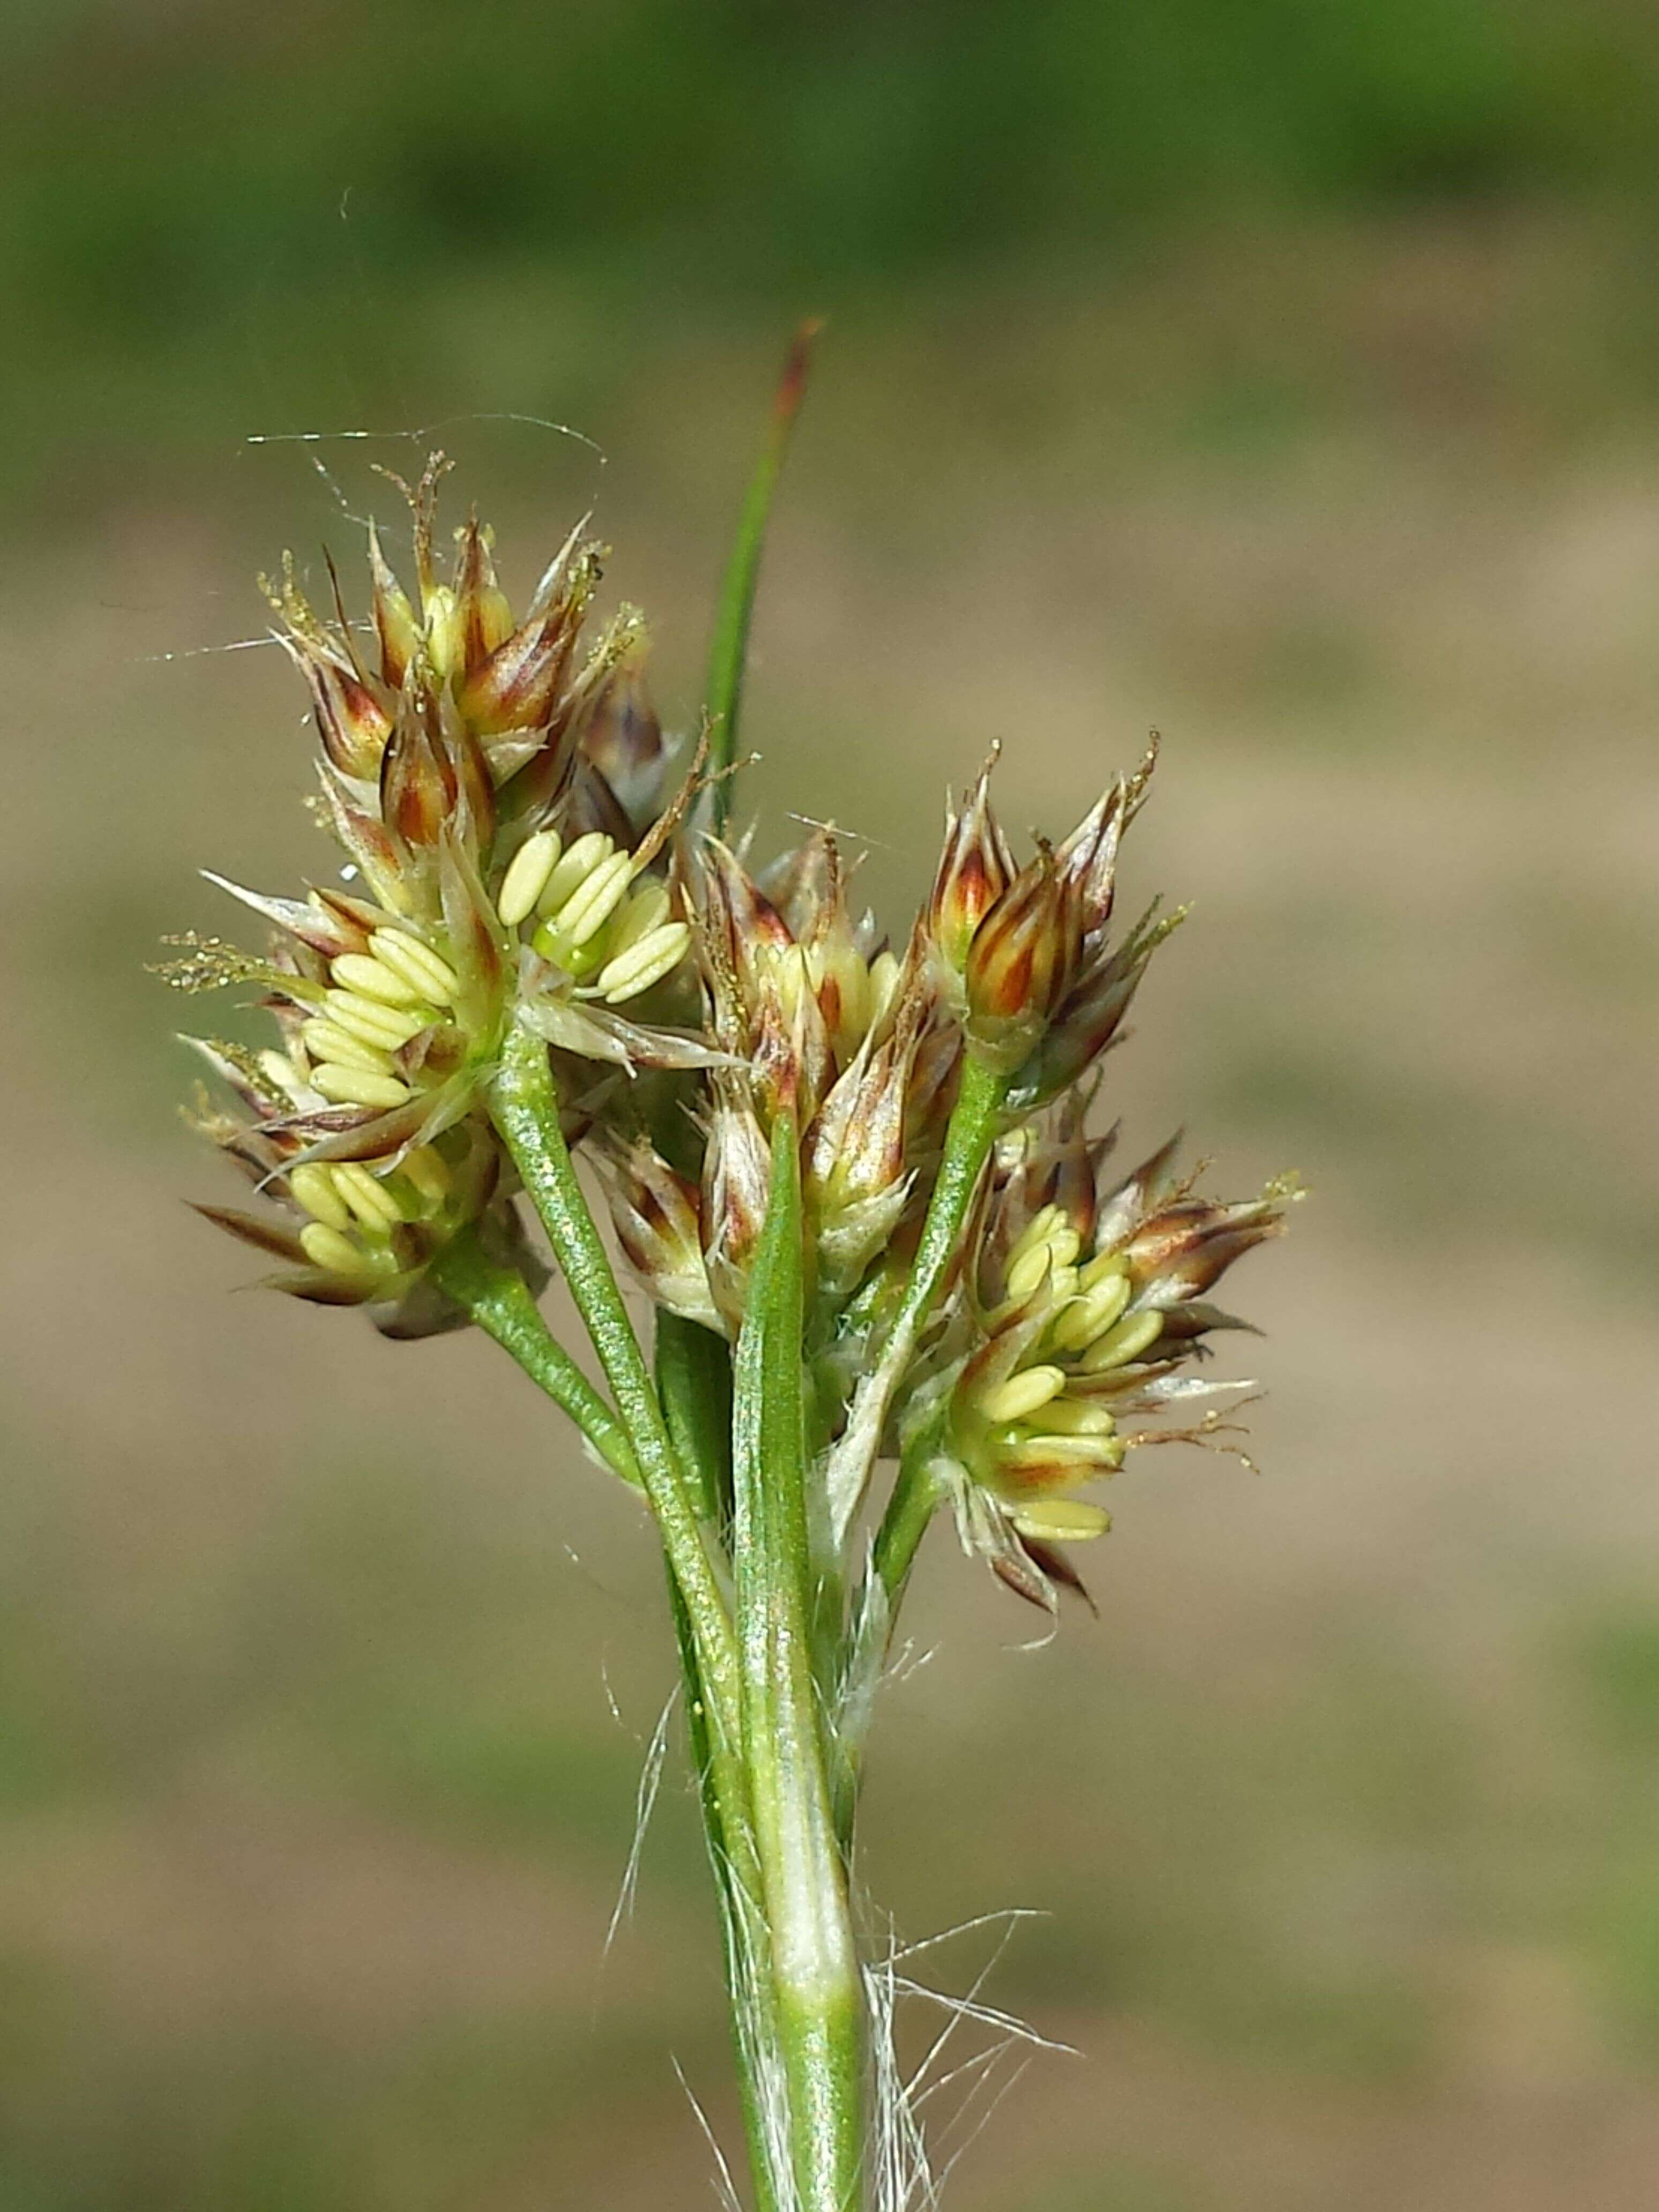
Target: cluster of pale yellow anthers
(859, 992)
(585, 910)
(1085, 1306)
(589, 913)
(376, 1003)
(354, 1213)
(1028, 1428)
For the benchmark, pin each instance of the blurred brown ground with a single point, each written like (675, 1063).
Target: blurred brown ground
(325, 1668)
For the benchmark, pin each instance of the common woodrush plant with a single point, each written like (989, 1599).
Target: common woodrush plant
(852, 1181)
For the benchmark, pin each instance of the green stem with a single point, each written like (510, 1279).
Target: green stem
(917, 1494)
(968, 1140)
(729, 646)
(803, 1881)
(694, 1382)
(527, 1111)
(499, 1300)
(748, 1982)
(916, 1497)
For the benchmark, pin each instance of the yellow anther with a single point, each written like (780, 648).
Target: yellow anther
(1020, 1395)
(443, 631)
(428, 975)
(492, 612)
(593, 902)
(357, 1086)
(328, 1040)
(845, 967)
(1105, 1266)
(578, 864)
(528, 877)
(1085, 1455)
(371, 1202)
(646, 909)
(276, 1067)
(645, 963)
(1054, 1252)
(370, 978)
(1125, 1340)
(313, 1187)
(788, 976)
(1061, 1521)
(1036, 1232)
(855, 1002)
(327, 1248)
(884, 985)
(1077, 1417)
(1027, 1273)
(387, 1027)
(424, 1168)
(1092, 1314)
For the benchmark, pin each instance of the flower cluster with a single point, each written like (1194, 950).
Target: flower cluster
(495, 791)
(1083, 1306)
(851, 1175)
(514, 863)
(816, 1018)
(1024, 956)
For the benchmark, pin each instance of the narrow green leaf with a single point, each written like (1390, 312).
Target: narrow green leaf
(729, 648)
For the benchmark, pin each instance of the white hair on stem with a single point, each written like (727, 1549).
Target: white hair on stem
(903, 2175)
(725, 2187)
(645, 1803)
(901, 2150)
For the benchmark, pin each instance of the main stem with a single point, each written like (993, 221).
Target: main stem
(814, 1958)
(694, 1383)
(753, 1702)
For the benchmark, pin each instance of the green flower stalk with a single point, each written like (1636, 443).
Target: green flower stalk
(847, 1179)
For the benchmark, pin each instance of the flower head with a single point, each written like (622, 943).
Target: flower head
(1024, 955)
(1084, 1308)
(517, 868)
(494, 873)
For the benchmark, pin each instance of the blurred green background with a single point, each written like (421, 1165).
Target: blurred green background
(1286, 375)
